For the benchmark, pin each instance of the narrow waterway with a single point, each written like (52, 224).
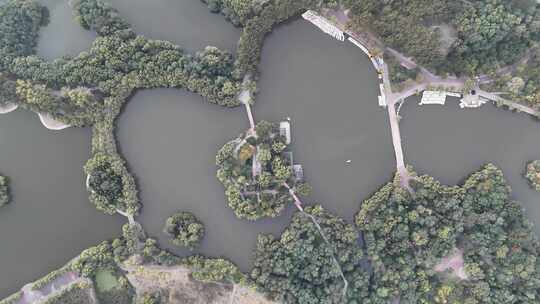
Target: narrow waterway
(449, 143)
(62, 36)
(50, 219)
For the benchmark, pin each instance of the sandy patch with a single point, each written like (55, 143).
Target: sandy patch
(183, 289)
(8, 108)
(453, 262)
(51, 124)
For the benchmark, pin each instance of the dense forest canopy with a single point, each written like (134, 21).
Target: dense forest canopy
(19, 26)
(484, 34)
(118, 62)
(302, 266)
(463, 37)
(491, 252)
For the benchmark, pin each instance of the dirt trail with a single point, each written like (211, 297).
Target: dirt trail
(55, 286)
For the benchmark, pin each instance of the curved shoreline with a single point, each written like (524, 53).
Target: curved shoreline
(48, 122)
(8, 108)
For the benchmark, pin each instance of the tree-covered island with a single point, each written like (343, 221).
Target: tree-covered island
(256, 169)
(184, 229)
(111, 187)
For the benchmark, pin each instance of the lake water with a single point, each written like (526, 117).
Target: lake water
(187, 23)
(169, 138)
(62, 36)
(449, 143)
(50, 219)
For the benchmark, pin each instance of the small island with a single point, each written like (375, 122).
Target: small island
(4, 190)
(258, 171)
(184, 229)
(532, 174)
(110, 185)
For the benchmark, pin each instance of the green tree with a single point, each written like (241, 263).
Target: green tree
(184, 229)
(301, 267)
(110, 185)
(255, 192)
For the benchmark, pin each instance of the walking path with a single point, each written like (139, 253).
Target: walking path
(366, 41)
(297, 201)
(299, 204)
(388, 98)
(509, 103)
(396, 141)
(130, 217)
(245, 98)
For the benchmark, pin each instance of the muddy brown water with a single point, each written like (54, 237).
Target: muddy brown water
(169, 137)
